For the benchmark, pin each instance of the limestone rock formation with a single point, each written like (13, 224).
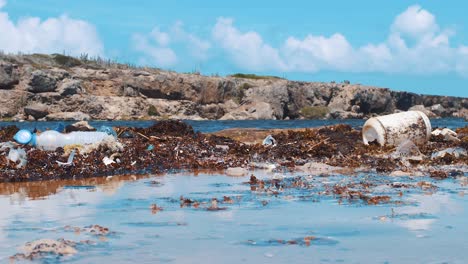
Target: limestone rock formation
(37, 111)
(9, 76)
(72, 116)
(81, 90)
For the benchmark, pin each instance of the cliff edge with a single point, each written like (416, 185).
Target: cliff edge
(58, 87)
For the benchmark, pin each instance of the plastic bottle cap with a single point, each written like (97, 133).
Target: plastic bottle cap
(23, 136)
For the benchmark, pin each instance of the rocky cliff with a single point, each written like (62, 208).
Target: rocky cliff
(57, 87)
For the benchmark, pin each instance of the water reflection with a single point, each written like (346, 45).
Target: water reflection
(423, 216)
(20, 191)
(294, 224)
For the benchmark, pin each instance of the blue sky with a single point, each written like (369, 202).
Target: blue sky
(403, 45)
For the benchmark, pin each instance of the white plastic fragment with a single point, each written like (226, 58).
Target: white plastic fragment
(448, 134)
(407, 150)
(236, 172)
(107, 161)
(269, 141)
(456, 152)
(263, 165)
(69, 161)
(16, 155)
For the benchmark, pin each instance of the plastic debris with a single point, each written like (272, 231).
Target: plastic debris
(51, 140)
(236, 172)
(407, 150)
(69, 161)
(79, 126)
(6, 145)
(456, 152)
(126, 134)
(18, 155)
(448, 134)
(107, 161)
(60, 127)
(222, 147)
(23, 136)
(108, 130)
(263, 165)
(269, 141)
(393, 129)
(150, 148)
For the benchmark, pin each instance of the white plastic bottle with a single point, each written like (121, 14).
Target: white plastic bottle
(395, 128)
(50, 140)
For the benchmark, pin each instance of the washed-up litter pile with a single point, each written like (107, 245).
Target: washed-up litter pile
(166, 145)
(173, 145)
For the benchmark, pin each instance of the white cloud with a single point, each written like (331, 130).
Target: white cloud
(415, 22)
(462, 63)
(53, 35)
(247, 50)
(162, 38)
(197, 47)
(415, 44)
(159, 54)
(157, 45)
(315, 52)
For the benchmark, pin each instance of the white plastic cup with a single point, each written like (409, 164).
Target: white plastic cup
(395, 128)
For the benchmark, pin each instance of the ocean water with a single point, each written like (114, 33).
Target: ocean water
(423, 222)
(216, 125)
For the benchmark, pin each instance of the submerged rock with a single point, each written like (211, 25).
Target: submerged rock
(44, 247)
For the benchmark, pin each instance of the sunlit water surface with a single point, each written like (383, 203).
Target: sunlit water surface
(426, 226)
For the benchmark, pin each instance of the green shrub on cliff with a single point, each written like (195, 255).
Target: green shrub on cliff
(152, 111)
(241, 92)
(254, 76)
(66, 61)
(314, 112)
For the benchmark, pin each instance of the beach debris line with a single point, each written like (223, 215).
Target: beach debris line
(174, 145)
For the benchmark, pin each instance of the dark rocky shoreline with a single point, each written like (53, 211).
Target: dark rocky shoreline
(57, 87)
(173, 145)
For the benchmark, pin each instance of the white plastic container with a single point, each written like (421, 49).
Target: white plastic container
(395, 128)
(50, 140)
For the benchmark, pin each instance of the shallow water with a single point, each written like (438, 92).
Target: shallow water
(420, 225)
(216, 125)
